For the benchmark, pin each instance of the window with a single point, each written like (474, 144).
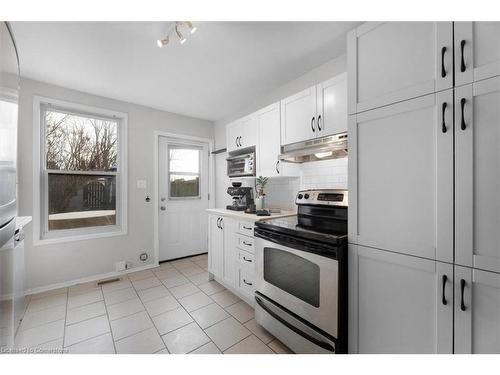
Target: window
(184, 172)
(82, 168)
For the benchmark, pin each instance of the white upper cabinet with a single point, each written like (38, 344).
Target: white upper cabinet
(241, 133)
(233, 133)
(399, 303)
(401, 177)
(477, 179)
(390, 62)
(477, 311)
(332, 106)
(477, 51)
(268, 146)
(298, 117)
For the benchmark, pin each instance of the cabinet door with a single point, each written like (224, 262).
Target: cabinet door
(268, 146)
(401, 177)
(298, 117)
(249, 131)
(332, 106)
(477, 180)
(477, 51)
(233, 133)
(399, 303)
(388, 62)
(216, 245)
(229, 253)
(477, 311)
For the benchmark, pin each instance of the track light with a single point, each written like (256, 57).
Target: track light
(163, 42)
(192, 29)
(182, 40)
(177, 28)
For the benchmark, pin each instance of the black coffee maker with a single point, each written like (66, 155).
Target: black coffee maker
(242, 198)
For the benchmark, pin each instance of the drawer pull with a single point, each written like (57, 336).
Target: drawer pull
(246, 243)
(247, 260)
(246, 282)
(247, 228)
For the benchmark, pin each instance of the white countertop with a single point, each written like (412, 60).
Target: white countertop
(22, 221)
(250, 217)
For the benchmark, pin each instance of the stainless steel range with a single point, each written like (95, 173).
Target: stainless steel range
(301, 263)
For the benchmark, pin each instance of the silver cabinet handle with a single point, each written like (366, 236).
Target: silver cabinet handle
(247, 260)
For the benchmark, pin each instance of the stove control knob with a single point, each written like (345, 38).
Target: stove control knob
(300, 196)
(306, 196)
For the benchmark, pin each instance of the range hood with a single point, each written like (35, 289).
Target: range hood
(330, 147)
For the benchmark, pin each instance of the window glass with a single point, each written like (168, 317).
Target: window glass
(184, 160)
(184, 172)
(79, 143)
(78, 201)
(184, 186)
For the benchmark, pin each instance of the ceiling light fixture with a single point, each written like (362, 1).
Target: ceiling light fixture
(176, 28)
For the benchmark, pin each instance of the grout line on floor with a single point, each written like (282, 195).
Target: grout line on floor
(109, 323)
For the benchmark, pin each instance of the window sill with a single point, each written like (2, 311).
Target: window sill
(78, 237)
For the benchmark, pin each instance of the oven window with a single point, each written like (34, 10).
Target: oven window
(292, 274)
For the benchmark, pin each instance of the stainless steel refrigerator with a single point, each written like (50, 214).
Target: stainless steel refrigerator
(9, 90)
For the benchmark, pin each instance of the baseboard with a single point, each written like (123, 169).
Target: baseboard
(87, 279)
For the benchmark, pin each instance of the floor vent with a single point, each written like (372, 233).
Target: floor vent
(102, 282)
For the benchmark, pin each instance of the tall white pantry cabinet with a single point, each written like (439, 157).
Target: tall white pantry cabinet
(424, 187)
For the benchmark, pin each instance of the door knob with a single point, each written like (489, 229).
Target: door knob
(163, 199)
(163, 208)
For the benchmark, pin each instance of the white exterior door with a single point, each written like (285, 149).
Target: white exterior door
(399, 303)
(393, 61)
(298, 117)
(477, 166)
(477, 51)
(401, 177)
(183, 198)
(216, 245)
(332, 106)
(268, 147)
(477, 311)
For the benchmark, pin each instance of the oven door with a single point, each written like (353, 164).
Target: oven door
(302, 282)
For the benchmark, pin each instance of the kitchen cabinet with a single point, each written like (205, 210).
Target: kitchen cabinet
(332, 106)
(477, 51)
(401, 177)
(298, 117)
(230, 254)
(477, 175)
(390, 62)
(269, 145)
(216, 245)
(242, 133)
(477, 311)
(399, 303)
(222, 254)
(318, 111)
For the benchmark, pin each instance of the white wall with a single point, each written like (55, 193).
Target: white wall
(281, 191)
(60, 263)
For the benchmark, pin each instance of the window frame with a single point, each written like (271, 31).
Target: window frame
(184, 146)
(42, 235)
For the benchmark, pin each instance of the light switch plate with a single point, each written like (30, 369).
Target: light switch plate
(141, 184)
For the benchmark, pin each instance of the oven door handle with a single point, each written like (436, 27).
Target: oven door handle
(314, 340)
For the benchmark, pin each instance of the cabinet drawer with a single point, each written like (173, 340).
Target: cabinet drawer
(245, 243)
(246, 228)
(246, 282)
(246, 260)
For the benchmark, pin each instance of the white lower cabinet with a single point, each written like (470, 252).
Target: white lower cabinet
(477, 311)
(398, 304)
(231, 255)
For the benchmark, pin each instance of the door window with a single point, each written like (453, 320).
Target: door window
(301, 279)
(184, 172)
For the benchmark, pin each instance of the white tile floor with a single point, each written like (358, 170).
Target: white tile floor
(169, 309)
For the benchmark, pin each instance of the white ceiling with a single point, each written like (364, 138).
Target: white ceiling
(220, 68)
